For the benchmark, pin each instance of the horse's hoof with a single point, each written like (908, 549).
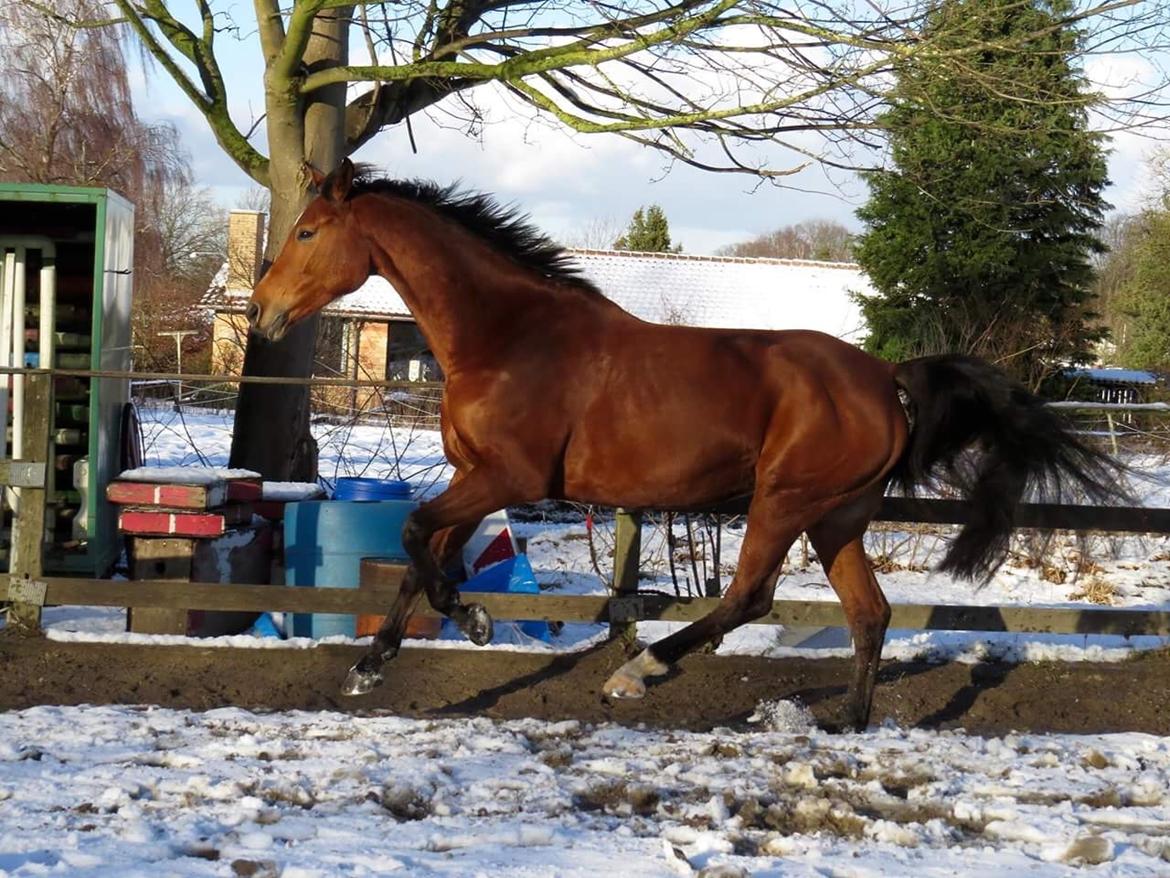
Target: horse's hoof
(622, 685)
(478, 625)
(359, 682)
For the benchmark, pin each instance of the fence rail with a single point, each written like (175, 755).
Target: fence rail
(619, 610)
(28, 591)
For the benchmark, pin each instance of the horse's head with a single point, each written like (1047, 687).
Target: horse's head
(324, 257)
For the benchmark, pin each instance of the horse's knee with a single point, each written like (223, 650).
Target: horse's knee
(415, 537)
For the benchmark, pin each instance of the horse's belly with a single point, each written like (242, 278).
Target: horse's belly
(658, 473)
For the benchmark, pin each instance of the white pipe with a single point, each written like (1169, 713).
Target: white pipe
(6, 276)
(6, 309)
(10, 495)
(18, 330)
(47, 338)
(12, 335)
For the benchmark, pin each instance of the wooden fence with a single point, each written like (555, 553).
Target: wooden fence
(27, 590)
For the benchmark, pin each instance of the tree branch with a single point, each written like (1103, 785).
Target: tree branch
(527, 64)
(213, 106)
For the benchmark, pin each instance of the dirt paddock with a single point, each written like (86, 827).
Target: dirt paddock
(704, 692)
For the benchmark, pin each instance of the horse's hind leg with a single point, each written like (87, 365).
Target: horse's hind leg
(769, 535)
(837, 541)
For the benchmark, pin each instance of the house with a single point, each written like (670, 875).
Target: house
(371, 334)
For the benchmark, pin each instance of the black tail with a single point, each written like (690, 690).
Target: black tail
(1021, 449)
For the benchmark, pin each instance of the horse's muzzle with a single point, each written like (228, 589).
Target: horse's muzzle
(273, 328)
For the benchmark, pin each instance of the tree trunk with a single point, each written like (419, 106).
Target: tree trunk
(271, 434)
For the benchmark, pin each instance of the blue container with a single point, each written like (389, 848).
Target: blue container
(371, 489)
(324, 543)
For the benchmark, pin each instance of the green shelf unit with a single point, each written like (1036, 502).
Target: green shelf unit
(92, 233)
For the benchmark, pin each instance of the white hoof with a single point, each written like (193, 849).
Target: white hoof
(622, 685)
(627, 680)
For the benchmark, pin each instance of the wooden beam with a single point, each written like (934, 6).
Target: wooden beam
(1117, 519)
(28, 526)
(159, 559)
(593, 608)
(627, 553)
(22, 474)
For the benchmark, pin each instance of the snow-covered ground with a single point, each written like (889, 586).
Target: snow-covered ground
(124, 791)
(145, 791)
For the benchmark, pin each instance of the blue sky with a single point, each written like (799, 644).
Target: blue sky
(568, 182)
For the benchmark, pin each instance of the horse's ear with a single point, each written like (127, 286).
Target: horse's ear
(337, 185)
(316, 178)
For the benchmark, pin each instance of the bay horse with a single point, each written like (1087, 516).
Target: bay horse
(553, 391)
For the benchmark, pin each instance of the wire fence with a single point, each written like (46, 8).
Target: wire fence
(388, 429)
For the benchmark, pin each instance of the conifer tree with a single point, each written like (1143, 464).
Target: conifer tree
(648, 232)
(979, 233)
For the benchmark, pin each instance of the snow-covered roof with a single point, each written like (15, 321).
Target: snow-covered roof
(715, 291)
(376, 298)
(730, 292)
(1110, 375)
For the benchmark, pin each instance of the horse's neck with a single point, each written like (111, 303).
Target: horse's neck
(459, 291)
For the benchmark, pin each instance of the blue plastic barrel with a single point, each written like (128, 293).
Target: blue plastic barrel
(325, 541)
(363, 489)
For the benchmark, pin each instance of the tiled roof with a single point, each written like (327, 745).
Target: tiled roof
(672, 288)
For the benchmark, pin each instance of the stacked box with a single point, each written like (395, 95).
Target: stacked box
(192, 524)
(199, 503)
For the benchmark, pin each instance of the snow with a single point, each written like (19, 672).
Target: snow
(141, 791)
(125, 791)
(291, 492)
(185, 475)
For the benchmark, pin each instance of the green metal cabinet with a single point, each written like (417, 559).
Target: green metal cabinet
(85, 239)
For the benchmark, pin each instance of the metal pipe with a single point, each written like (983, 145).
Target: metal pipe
(6, 330)
(6, 278)
(13, 329)
(18, 341)
(47, 345)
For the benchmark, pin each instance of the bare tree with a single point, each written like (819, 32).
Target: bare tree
(598, 233)
(823, 240)
(192, 232)
(705, 82)
(68, 118)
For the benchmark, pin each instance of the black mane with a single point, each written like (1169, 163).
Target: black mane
(503, 226)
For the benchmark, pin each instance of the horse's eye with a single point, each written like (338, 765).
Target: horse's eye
(305, 234)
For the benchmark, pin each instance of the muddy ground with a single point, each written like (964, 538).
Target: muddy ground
(704, 692)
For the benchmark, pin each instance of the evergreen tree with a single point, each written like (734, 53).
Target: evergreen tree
(979, 235)
(1143, 305)
(648, 232)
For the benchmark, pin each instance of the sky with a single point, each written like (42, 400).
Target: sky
(569, 183)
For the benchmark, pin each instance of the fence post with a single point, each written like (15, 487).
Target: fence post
(26, 564)
(627, 549)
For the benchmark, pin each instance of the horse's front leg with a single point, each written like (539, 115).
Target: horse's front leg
(367, 673)
(462, 505)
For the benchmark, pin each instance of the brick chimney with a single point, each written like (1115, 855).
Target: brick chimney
(245, 248)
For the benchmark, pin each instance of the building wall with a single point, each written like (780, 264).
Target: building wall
(371, 361)
(245, 248)
(229, 333)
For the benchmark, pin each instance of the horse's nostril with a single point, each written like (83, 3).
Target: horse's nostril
(253, 313)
